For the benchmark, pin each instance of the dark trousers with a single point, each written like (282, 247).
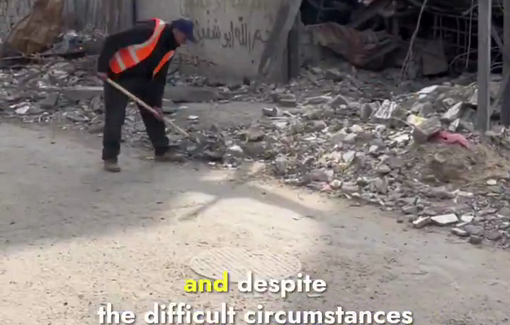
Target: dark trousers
(115, 114)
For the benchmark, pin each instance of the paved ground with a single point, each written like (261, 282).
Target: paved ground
(73, 237)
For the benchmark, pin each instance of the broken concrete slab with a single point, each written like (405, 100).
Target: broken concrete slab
(190, 94)
(177, 94)
(82, 93)
(445, 219)
(422, 222)
(453, 112)
(425, 130)
(389, 112)
(459, 232)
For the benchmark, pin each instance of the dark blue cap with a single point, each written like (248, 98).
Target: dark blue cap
(185, 26)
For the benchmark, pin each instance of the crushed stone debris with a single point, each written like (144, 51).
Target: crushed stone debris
(410, 149)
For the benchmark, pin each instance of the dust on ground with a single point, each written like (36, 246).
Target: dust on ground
(74, 237)
(457, 165)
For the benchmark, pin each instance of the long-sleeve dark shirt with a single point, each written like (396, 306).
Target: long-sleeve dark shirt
(143, 71)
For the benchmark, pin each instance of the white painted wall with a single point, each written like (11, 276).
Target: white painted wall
(231, 34)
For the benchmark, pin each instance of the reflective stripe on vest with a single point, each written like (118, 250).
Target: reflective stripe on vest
(164, 60)
(132, 55)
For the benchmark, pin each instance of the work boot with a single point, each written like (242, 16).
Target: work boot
(170, 156)
(111, 166)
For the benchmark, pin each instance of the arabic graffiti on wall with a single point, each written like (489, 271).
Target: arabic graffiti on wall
(238, 34)
(231, 33)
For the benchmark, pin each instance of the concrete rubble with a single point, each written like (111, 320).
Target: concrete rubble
(346, 134)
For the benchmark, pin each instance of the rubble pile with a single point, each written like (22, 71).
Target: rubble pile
(67, 90)
(45, 92)
(413, 152)
(315, 82)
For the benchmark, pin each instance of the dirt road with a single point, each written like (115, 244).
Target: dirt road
(73, 237)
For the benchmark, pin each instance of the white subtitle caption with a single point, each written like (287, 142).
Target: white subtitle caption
(183, 313)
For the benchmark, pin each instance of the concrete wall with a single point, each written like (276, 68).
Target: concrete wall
(231, 34)
(104, 15)
(11, 11)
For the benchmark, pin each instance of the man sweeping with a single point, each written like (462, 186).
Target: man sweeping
(138, 59)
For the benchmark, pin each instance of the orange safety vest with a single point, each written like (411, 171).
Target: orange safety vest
(132, 55)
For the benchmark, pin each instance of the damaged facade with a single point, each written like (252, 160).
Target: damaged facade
(238, 38)
(376, 34)
(76, 14)
(49, 27)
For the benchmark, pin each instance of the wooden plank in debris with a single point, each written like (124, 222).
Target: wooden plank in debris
(484, 62)
(426, 129)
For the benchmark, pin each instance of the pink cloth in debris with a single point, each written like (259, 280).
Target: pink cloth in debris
(451, 138)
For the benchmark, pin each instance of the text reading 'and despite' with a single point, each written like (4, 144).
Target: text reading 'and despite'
(184, 313)
(303, 283)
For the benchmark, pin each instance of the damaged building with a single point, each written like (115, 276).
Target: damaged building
(350, 125)
(428, 38)
(238, 38)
